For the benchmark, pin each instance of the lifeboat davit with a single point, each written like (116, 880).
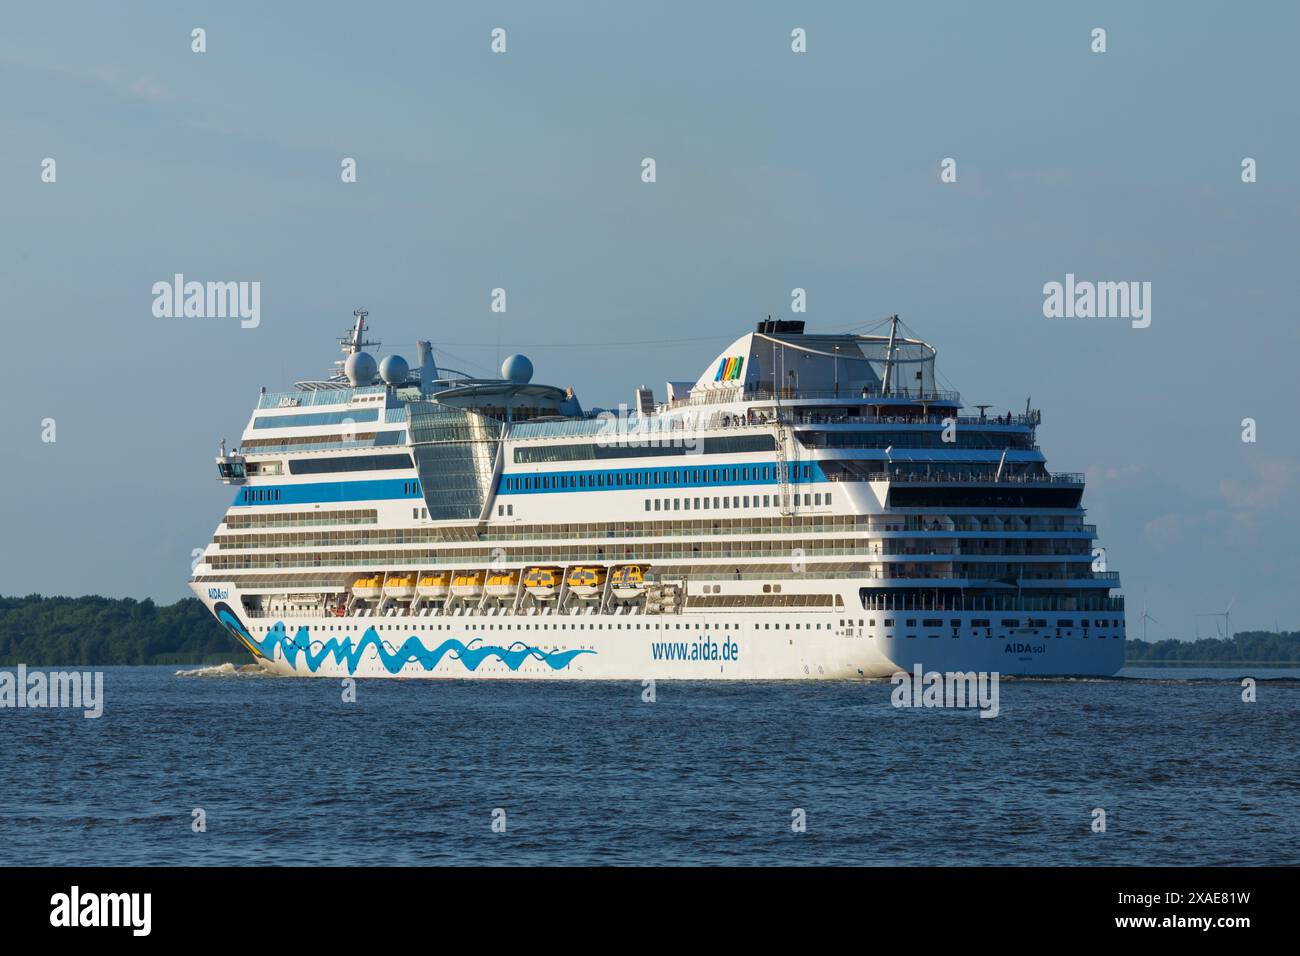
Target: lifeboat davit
(628, 581)
(468, 584)
(502, 583)
(433, 585)
(400, 587)
(542, 583)
(368, 589)
(586, 582)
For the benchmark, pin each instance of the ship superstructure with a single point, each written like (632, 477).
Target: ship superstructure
(811, 506)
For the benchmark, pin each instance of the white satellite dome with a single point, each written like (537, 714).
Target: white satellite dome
(360, 368)
(517, 369)
(393, 369)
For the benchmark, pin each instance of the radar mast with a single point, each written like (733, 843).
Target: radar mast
(356, 339)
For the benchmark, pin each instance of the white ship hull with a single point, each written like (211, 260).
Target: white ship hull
(798, 645)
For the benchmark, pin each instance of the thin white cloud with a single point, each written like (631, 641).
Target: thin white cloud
(115, 78)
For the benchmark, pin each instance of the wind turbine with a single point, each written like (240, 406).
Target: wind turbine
(1145, 616)
(1226, 614)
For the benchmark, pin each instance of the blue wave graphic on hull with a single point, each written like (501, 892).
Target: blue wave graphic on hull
(314, 653)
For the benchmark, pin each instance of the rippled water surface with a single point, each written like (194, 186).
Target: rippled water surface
(411, 773)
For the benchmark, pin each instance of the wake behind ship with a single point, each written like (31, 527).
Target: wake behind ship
(811, 506)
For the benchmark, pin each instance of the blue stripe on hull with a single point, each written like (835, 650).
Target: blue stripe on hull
(608, 479)
(330, 491)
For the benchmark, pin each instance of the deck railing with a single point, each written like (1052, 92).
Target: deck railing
(761, 393)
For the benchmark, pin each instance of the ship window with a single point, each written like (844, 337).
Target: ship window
(697, 504)
(317, 466)
(746, 501)
(647, 504)
(807, 500)
(510, 510)
(767, 501)
(828, 498)
(677, 504)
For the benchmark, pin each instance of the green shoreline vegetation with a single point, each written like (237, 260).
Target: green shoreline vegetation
(98, 631)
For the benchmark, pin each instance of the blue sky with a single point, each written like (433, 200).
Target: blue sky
(775, 171)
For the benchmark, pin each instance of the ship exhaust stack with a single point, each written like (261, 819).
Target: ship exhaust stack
(428, 370)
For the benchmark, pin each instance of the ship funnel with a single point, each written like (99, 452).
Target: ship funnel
(428, 370)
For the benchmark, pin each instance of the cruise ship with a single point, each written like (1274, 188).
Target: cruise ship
(812, 506)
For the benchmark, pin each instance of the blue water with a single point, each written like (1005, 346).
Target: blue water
(710, 773)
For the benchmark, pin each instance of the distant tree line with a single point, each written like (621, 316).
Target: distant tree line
(61, 631)
(1253, 647)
